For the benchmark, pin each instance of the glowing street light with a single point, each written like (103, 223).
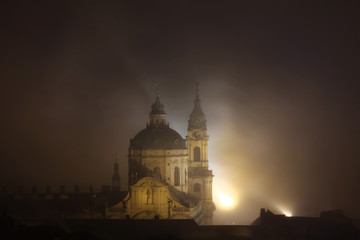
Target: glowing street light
(287, 214)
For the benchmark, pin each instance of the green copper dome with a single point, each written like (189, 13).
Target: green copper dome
(154, 137)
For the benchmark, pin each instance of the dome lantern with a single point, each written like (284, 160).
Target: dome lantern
(157, 114)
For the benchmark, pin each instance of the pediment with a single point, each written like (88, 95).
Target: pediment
(148, 182)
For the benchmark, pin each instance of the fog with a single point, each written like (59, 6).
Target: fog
(278, 85)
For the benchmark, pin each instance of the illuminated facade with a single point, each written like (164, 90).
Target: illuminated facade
(168, 175)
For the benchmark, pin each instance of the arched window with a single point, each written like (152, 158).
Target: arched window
(157, 173)
(196, 187)
(196, 154)
(177, 177)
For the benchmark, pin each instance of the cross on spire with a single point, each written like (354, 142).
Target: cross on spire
(157, 89)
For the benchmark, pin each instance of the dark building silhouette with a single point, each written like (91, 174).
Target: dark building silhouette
(330, 225)
(116, 177)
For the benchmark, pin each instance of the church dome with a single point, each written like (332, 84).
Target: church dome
(157, 137)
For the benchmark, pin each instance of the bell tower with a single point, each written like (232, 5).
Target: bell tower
(197, 135)
(199, 175)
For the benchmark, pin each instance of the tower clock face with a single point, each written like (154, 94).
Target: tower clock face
(196, 134)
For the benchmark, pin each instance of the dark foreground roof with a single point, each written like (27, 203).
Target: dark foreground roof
(330, 225)
(170, 229)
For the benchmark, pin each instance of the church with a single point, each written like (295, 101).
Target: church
(169, 176)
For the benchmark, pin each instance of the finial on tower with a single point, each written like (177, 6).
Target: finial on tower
(157, 89)
(197, 97)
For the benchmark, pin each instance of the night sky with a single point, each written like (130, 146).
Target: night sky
(278, 84)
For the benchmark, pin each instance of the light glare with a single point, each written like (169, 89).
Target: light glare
(226, 202)
(287, 214)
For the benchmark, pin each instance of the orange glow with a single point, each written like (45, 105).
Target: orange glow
(226, 202)
(225, 197)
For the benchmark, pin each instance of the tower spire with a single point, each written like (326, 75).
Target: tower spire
(116, 176)
(197, 117)
(197, 89)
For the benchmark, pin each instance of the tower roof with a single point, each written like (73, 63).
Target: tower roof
(157, 107)
(197, 118)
